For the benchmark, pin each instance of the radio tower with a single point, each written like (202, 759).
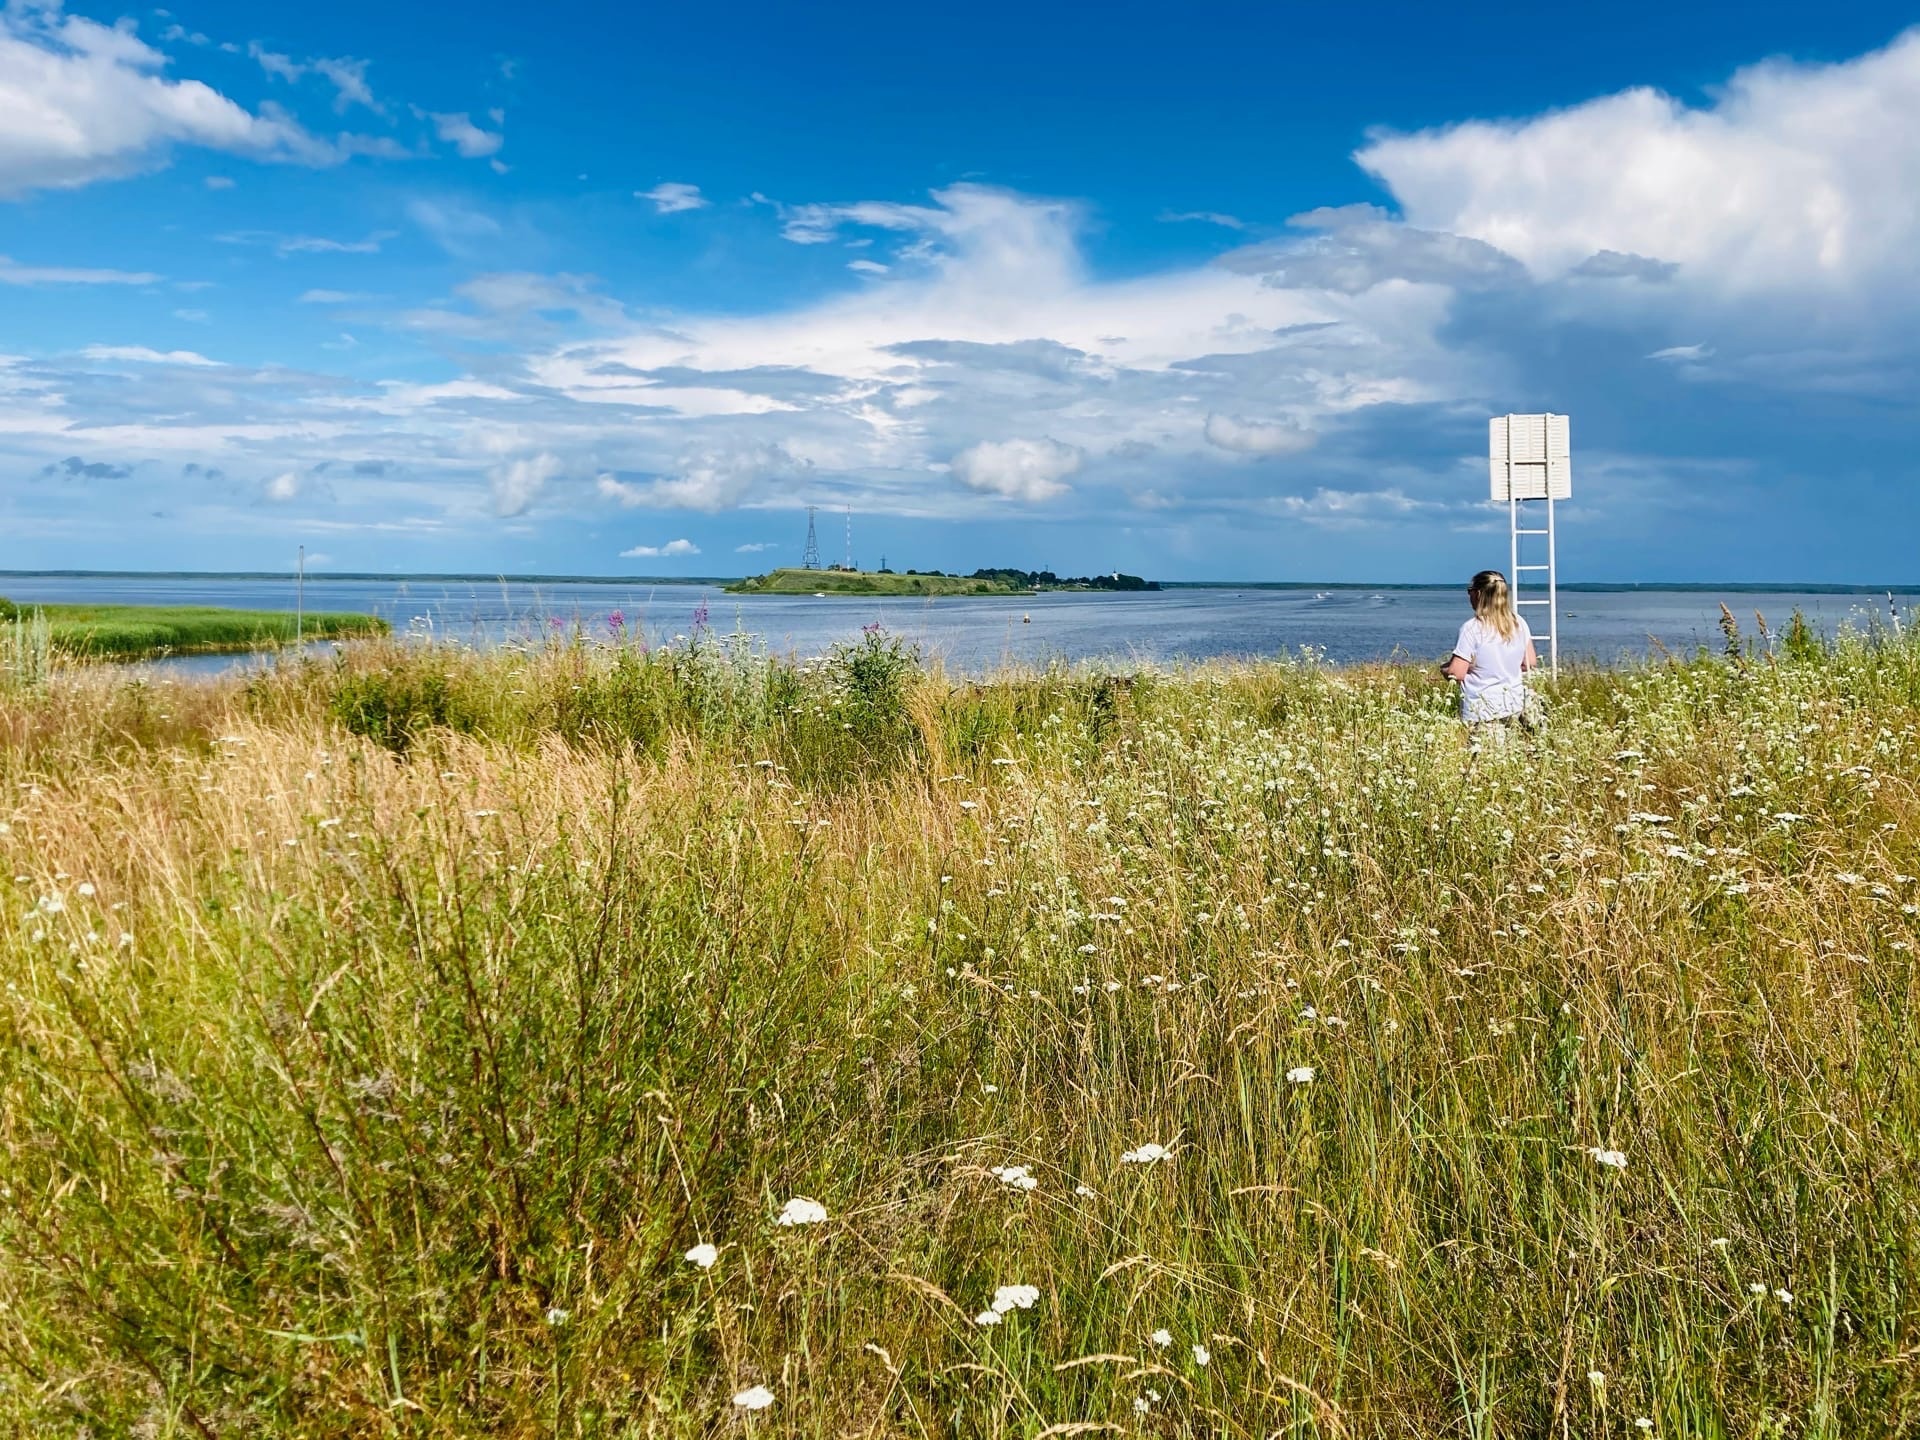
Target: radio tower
(849, 537)
(810, 557)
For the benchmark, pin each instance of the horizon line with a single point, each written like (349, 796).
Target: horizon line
(498, 577)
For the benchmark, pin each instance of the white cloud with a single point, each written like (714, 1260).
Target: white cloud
(141, 355)
(80, 101)
(349, 80)
(1029, 470)
(754, 547)
(1796, 175)
(518, 483)
(673, 196)
(13, 274)
(867, 267)
(1682, 354)
(621, 492)
(468, 138)
(218, 182)
(667, 551)
(285, 245)
(334, 297)
(1257, 437)
(282, 488)
(1208, 217)
(280, 67)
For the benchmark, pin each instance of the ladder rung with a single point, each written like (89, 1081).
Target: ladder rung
(1533, 602)
(1533, 532)
(1533, 567)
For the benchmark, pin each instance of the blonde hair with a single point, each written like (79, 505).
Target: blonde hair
(1493, 603)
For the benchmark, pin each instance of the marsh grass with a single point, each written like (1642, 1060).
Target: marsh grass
(129, 632)
(379, 1035)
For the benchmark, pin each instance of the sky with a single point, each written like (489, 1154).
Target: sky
(1194, 292)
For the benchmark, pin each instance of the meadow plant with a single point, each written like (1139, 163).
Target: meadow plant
(593, 1041)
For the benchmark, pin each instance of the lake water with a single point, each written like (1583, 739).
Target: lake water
(974, 634)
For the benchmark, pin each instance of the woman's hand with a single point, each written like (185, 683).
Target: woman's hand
(1456, 667)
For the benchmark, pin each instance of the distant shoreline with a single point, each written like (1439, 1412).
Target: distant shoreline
(1733, 587)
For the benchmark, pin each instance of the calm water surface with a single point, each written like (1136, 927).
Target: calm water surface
(976, 634)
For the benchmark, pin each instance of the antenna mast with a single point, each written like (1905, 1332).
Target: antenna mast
(810, 557)
(849, 537)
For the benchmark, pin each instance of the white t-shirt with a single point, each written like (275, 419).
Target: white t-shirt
(1492, 689)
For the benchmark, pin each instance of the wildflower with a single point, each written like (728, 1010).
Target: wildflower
(1300, 1075)
(1140, 1405)
(1161, 1338)
(802, 1211)
(1015, 1297)
(1643, 1423)
(1085, 1192)
(85, 887)
(1758, 1287)
(1613, 1159)
(988, 1317)
(1785, 1297)
(1719, 1242)
(755, 1397)
(703, 1255)
(1596, 1378)
(1015, 1177)
(557, 1316)
(1147, 1154)
(969, 805)
(1201, 1356)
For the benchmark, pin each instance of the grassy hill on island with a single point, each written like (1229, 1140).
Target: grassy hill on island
(134, 632)
(869, 582)
(914, 582)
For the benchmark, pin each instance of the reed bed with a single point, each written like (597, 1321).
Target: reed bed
(592, 1042)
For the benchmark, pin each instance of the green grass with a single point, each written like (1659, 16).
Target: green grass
(866, 582)
(131, 632)
(378, 1035)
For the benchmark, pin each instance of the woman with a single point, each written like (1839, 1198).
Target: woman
(1493, 653)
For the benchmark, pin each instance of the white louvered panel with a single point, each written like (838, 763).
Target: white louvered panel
(1537, 450)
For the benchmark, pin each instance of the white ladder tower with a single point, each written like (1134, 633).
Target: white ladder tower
(1531, 466)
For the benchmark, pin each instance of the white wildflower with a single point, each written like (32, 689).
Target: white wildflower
(1596, 1377)
(1758, 1287)
(802, 1211)
(557, 1316)
(1643, 1423)
(1147, 1154)
(1719, 1242)
(755, 1397)
(987, 1317)
(1300, 1075)
(1613, 1159)
(1015, 1297)
(85, 887)
(1201, 1356)
(1015, 1177)
(703, 1255)
(1085, 1192)
(1162, 1338)
(1785, 1297)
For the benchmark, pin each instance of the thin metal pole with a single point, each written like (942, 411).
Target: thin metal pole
(300, 597)
(1553, 580)
(1513, 525)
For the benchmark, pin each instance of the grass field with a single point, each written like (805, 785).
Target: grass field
(133, 632)
(866, 582)
(383, 1040)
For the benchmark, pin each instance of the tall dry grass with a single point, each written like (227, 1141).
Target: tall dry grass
(379, 1038)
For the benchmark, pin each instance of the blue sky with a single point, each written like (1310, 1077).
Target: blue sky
(1199, 293)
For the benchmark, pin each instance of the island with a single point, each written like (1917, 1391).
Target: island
(837, 580)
